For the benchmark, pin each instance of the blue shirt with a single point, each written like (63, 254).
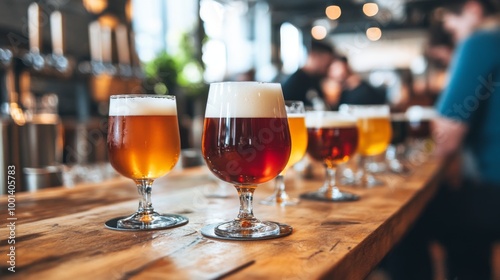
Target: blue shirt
(473, 98)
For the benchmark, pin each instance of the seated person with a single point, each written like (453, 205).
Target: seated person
(343, 86)
(304, 84)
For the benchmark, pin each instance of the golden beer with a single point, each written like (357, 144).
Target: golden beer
(374, 135)
(298, 133)
(143, 146)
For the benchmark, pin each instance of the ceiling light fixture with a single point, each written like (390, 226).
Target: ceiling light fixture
(333, 12)
(373, 33)
(370, 9)
(318, 32)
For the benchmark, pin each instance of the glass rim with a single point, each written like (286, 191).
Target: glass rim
(367, 106)
(143, 95)
(244, 82)
(330, 114)
(366, 111)
(323, 119)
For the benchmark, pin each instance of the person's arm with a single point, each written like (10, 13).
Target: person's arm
(448, 135)
(458, 104)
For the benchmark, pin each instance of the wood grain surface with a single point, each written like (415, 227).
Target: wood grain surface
(60, 232)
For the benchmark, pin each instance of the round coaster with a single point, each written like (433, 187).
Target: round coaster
(208, 231)
(343, 197)
(113, 223)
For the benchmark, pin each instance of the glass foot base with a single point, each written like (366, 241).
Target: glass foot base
(371, 182)
(282, 230)
(397, 167)
(335, 196)
(281, 200)
(156, 221)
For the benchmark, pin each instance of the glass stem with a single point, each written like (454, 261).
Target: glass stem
(331, 178)
(144, 187)
(391, 153)
(364, 170)
(245, 216)
(330, 189)
(400, 151)
(280, 185)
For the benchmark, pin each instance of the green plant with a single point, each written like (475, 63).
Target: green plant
(167, 72)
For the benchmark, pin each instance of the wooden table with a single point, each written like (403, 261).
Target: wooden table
(60, 232)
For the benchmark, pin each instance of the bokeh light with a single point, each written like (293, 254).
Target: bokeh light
(373, 33)
(318, 32)
(333, 12)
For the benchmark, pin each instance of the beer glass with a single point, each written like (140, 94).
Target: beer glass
(143, 144)
(374, 136)
(332, 139)
(246, 142)
(297, 124)
(419, 121)
(396, 149)
(421, 143)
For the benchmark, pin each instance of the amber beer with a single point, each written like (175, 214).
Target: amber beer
(332, 141)
(248, 142)
(374, 135)
(298, 132)
(143, 137)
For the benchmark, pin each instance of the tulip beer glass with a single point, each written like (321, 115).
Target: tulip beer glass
(246, 142)
(332, 139)
(298, 131)
(143, 144)
(375, 133)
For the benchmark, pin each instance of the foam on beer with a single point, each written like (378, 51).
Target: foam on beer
(245, 100)
(142, 106)
(366, 111)
(329, 120)
(421, 113)
(296, 115)
(401, 117)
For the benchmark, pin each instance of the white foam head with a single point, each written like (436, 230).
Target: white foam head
(399, 117)
(245, 100)
(295, 115)
(420, 113)
(325, 119)
(142, 105)
(366, 111)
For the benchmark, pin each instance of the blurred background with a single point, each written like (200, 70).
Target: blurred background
(60, 60)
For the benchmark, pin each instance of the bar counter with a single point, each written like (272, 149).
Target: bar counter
(60, 232)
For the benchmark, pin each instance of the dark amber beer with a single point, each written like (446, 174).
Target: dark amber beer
(420, 121)
(246, 150)
(420, 128)
(332, 142)
(399, 125)
(246, 138)
(143, 140)
(246, 142)
(332, 139)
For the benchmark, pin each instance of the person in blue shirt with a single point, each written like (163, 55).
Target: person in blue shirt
(464, 217)
(469, 107)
